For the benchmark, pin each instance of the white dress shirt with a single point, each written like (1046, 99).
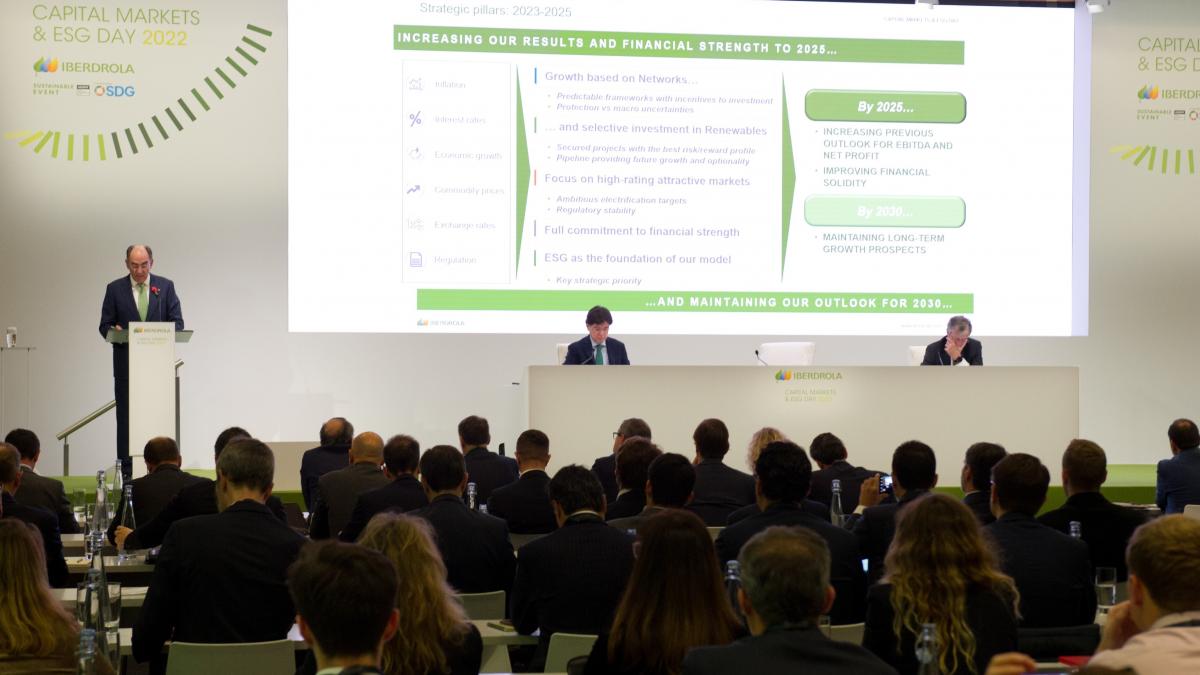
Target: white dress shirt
(134, 286)
(594, 345)
(1165, 649)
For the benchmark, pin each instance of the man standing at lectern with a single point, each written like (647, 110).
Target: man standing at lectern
(597, 349)
(141, 296)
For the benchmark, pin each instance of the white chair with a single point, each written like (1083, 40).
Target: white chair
(562, 352)
(916, 354)
(851, 632)
(564, 647)
(495, 659)
(483, 606)
(786, 353)
(1192, 511)
(251, 658)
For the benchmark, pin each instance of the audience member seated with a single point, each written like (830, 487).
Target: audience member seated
(337, 491)
(669, 482)
(434, 635)
(632, 470)
(474, 546)
(345, 605)
(571, 579)
(525, 504)
(940, 570)
(977, 479)
(605, 468)
(37, 490)
(222, 578)
(404, 493)
(759, 440)
(1179, 477)
(486, 469)
(39, 635)
(829, 452)
(784, 590)
(720, 490)
(783, 473)
(1052, 571)
(667, 607)
(45, 521)
(197, 499)
(332, 454)
(163, 480)
(914, 474)
(1106, 527)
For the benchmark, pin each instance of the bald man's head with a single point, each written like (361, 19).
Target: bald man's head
(367, 447)
(337, 431)
(138, 260)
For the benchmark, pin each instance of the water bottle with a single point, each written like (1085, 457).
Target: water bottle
(86, 653)
(472, 502)
(1076, 529)
(127, 519)
(927, 650)
(733, 581)
(100, 515)
(836, 515)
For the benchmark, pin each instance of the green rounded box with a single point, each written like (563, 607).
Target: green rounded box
(828, 105)
(883, 211)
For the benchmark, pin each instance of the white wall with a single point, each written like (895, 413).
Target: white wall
(219, 230)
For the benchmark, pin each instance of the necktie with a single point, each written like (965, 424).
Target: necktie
(143, 305)
(600, 355)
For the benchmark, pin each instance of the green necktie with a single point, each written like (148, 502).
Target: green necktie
(599, 355)
(143, 305)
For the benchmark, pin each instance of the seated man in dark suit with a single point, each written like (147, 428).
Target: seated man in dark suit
(1179, 477)
(669, 482)
(597, 349)
(222, 578)
(720, 490)
(404, 493)
(474, 546)
(956, 347)
(1052, 571)
(785, 573)
(977, 479)
(783, 473)
(914, 473)
(605, 468)
(572, 579)
(163, 480)
(1105, 527)
(40, 491)
(829, 452)
(43, 520)
(486, 469)
(332, 454)
(337, 491)
(632, 469)
(525, 504)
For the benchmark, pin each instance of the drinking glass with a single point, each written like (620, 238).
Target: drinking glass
(1106, 587)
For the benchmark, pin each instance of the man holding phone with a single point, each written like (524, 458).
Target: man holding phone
(956, 347)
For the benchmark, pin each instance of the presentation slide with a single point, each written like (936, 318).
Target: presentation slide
(759, 168)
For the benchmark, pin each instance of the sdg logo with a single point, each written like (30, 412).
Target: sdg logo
(113, 90)
(45, 65)
(1148, 93)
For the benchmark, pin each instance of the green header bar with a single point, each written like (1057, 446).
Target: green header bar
(674, 45)
(885, 106)
(694, 301)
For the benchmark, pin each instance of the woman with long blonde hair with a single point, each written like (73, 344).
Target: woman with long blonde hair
(941, 571)
(759, 440)
(434, 636)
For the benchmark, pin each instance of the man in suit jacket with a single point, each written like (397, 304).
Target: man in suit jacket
(977, 479)
(475, 547)
(525, 504)
(829, 452)
(669, 483)
(332, 454)
(223, 578)
(163, 480)
(1052, 571)
(785, 588)
(783, 473)
(141, 296)
(1105, 527)
(43, 520)
(1179, 477)
(914, 473)
(404, 493)
(605, 468)
(337, 491)
(956, 347)
(633, 466)
(486, 469)
(572, 579)
(720, 490)
(40, 491)
(597, 349)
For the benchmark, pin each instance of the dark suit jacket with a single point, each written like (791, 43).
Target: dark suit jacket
(815, 508)
(581, 352)
(316, 463)
(1106, 527)
(464, 659)
(719, 491)
(489, 471)
(629, 503)
(875, 529)
(47, 525)
(1178, 481)
(475, 547)
(525, 504)
(119, 309)
(1052, 571)
(605, 469)
(220, 578)
(852, 478)
(337, 492)
(47, 493)
(152, 493)
(633, 522)
(402, 494)
(989, 617)
(197, 499)
(935, 354)
(980, 504)
(785, 651)
(846, 575)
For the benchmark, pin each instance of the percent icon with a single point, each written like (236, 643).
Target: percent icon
(414, 118)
